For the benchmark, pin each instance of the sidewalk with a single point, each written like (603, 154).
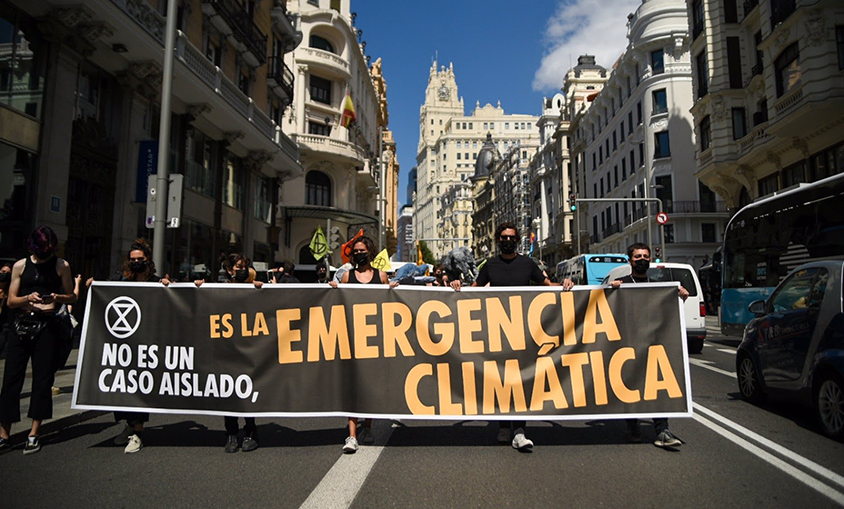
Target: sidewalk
(63, 415)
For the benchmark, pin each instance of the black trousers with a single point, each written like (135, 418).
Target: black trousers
(131, 418)
(231, 425)
(42, 351)
(660, 424)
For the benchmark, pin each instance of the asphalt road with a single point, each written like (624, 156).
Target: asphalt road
(736, 455)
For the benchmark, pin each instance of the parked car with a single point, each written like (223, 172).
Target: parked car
(794, 347)
(694, 308)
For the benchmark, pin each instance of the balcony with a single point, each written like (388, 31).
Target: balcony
(756, 137)
(756, 70)
(231, 19)
(789, 101)
(280, 79)
(317, 143)
(286, 24)
(326, 60)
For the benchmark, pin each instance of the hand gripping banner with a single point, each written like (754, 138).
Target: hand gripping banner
(366, 350)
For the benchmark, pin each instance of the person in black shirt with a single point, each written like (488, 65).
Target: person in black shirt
(511, 269)
(639, 256)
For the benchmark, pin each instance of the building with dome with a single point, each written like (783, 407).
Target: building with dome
(449, 144)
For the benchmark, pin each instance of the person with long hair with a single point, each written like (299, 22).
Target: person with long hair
(40, 284)
(239, 269)
(363, 252)
(139, 268)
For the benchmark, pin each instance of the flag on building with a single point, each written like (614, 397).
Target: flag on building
(349, 115)
(319, 244)
(346, 250)
(532, 242)
(382, 261)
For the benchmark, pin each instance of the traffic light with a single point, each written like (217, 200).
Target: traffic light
(656, 250)
(572, 203)
(334, 238)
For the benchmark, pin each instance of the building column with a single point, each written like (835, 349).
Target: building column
(56, 136)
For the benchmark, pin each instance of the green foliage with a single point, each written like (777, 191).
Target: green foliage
(427, 255)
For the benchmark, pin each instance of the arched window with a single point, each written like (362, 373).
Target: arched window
(788, 69)
(317, 189)
(322, 43)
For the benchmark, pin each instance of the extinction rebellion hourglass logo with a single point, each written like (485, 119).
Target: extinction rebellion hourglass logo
(122, 317)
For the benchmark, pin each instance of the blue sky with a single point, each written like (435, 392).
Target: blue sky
(515, 52)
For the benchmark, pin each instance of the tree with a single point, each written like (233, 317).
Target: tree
(427, 255)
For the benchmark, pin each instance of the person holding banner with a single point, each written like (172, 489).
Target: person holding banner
(321, 270)
(363, 252)
(511, 269)
(138, 268)
(639, 257)
(40, 283)
(238, 267)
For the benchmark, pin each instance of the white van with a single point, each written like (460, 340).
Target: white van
(694, 306)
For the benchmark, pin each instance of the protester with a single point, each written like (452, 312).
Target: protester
(239, 270)
(322, 271)
(363, 252)
(441, 278)
(39, 284)
(510, 269)
(5, 312)
(138, 268)
(639, 257)
(283, 273)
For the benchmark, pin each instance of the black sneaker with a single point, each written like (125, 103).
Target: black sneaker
(250, 443)
(5, 443)
(32, 446)
(231, 443)
(667, 439)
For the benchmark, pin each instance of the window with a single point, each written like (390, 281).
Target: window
(615, 174)
(705, 133)
(614, 141)
(839, 42)
(639, 113)
(730, 11)
(804, 289)
(319, 129)
(263, 199)
(697, 18)
(213, 53)
(734, 62)
(660, 102)
(739, 123)
(321, 90)
(702, 74)
(317, 189)
(244, 82)
(669, 234)
(768, 185)
(630, 122)
(233, 183)
(657, 62)
(623, 169)
(794, 174)
(788, 70)
(641, 154)
(661, 145)
(621, 131)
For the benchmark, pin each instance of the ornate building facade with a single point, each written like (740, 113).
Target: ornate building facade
(768, 94)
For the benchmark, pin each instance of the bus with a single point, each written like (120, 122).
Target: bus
(766, 239)
(588, 269)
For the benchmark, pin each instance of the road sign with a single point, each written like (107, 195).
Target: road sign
(662, 218)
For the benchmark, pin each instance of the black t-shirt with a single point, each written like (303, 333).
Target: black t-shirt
(630, 279)
(519, 271)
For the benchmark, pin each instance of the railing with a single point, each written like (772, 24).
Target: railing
(326, 55)
(789, 100)
(320, 142)
(278, 71)
(756, 69)
(758, 133)
(243, 27)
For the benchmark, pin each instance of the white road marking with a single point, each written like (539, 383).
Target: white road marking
(342, 483)
(706, 365)
(727, 350)
(814, 481)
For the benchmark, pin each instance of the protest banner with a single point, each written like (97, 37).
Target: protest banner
(412, 352)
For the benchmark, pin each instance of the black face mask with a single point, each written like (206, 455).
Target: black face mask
(321, 274)
(361, 258)
(241, 275)
(43, 255)
(5, 277)
(138, 267)
(641, 265)
(507, 246)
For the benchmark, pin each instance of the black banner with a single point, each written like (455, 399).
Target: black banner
(412, 352)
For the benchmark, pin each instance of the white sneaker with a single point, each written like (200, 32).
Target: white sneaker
(134, 445)
(351, 445)
(366, 436)
(522, 443)
(503, 435)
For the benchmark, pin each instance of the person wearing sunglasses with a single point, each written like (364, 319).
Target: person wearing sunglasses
(511, 269)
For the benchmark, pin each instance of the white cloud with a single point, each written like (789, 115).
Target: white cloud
(583, 27)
